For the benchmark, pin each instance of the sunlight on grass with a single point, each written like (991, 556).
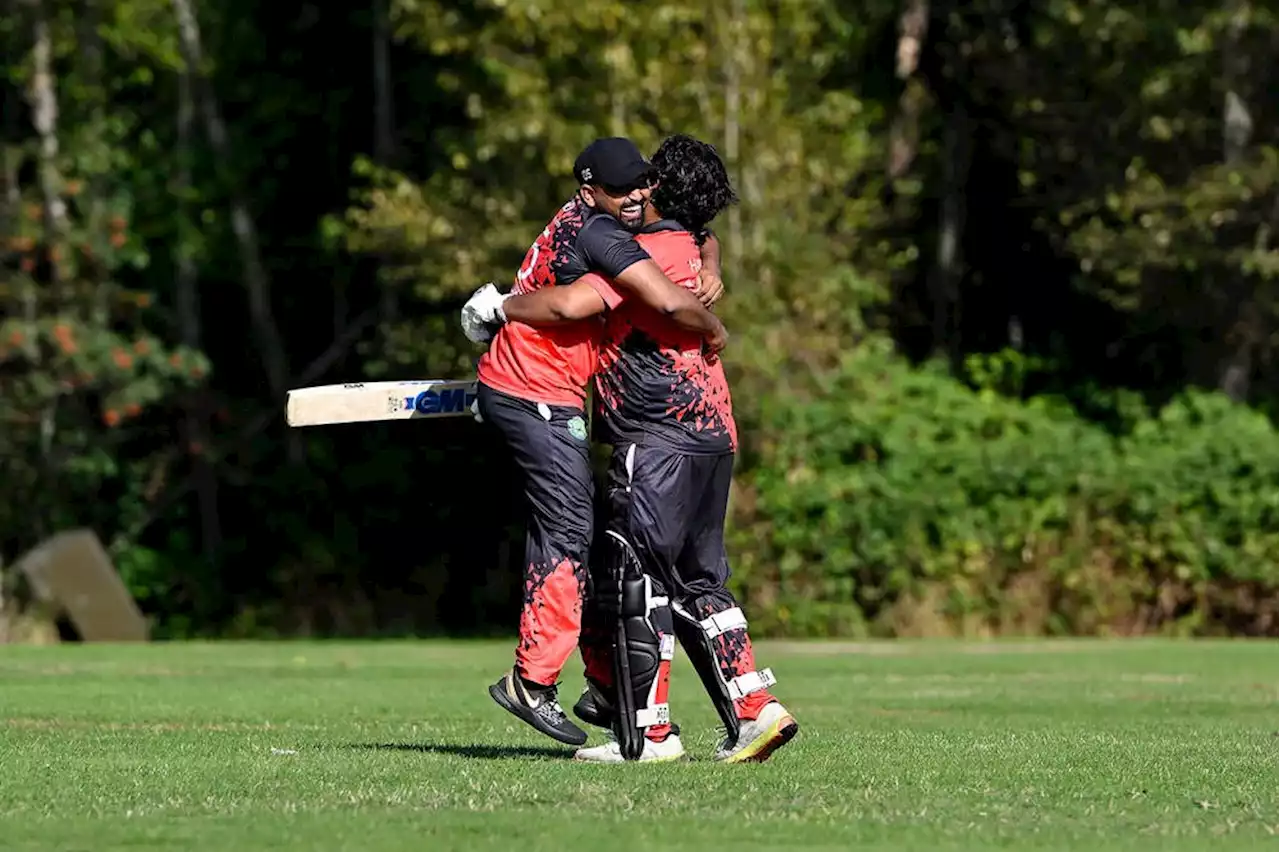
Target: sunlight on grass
(363, 745)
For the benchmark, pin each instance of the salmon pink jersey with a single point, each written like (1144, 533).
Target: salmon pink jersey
(553, 364)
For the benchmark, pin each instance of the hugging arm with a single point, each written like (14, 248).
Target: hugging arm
(609, 248)
(555, 305)
(710, 287)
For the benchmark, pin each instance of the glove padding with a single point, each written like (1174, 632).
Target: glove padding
(482, 314)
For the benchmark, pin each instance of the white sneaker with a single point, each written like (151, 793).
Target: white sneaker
(760, 737)
(662, 752)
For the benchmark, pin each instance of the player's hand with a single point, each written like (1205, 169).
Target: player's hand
(716, 340)
(482, 314)
(708, 288)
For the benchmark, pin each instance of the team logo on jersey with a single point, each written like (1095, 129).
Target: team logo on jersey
(578, 428)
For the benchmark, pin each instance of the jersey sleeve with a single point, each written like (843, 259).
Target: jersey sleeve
(604, 288)
(607, 247)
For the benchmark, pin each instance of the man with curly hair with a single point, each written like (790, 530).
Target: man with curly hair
(660, 572)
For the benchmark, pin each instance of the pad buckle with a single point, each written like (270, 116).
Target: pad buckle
(745, 684)
(658, 714)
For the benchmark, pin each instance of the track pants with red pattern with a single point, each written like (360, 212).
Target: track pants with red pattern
(549, 443)
(672, 507)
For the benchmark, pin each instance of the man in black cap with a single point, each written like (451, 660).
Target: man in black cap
(532, 389)
(608, 171)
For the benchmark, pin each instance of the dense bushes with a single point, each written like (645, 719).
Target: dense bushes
(899, 500)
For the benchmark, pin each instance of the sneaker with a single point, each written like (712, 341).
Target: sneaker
(760, 737)
(669, 749)
(537, 706)
(594, 707)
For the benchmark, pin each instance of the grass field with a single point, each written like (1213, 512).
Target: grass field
(384, 746)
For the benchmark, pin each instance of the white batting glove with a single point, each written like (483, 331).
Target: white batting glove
(482, 313)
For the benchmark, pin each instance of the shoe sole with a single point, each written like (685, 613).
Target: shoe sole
(499, 696)
(665, 759)
(759, 750)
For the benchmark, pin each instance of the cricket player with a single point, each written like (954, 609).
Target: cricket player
(664, 405)
(532, 389)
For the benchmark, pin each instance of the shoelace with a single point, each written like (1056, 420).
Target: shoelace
(550, 708)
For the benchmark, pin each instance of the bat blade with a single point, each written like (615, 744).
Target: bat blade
(364, 402)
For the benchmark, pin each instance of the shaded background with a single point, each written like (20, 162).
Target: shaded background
(1002, 289)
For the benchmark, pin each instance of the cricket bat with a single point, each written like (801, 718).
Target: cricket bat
(363, 402)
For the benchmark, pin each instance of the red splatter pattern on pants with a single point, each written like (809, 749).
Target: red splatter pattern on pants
(550, 620)
(735, 657)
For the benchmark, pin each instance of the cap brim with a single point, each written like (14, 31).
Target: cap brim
(627, 174)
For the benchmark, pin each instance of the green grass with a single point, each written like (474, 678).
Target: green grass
(381, 746)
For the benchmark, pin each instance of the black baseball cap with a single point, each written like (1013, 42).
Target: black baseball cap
(612, 161)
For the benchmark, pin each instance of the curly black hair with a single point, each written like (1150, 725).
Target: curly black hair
(693, 183)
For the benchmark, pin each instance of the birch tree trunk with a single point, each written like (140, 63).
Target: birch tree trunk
(43, 99)
(904, 133)
(42, 96)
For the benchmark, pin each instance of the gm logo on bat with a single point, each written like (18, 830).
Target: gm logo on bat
(450, 401)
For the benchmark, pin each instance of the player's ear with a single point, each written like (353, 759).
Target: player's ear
(587, 194)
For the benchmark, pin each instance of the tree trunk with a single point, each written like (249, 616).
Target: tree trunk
(186, 286)
(266, 332)
(946, 69)
(42, 96)
(945, 276)
(1235, 367)
(43, 99)
(10, 159)
(904, 133)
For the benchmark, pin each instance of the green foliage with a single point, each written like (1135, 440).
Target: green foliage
(901, 502)
(79, 365)
(541, 79)
(1112, 246)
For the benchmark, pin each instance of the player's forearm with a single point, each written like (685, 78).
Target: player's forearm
(646, 281)
(541, 307)
(554, 305)
(710, 251)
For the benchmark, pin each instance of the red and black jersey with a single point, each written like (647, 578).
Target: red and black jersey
(553, 364)
(654, 385)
